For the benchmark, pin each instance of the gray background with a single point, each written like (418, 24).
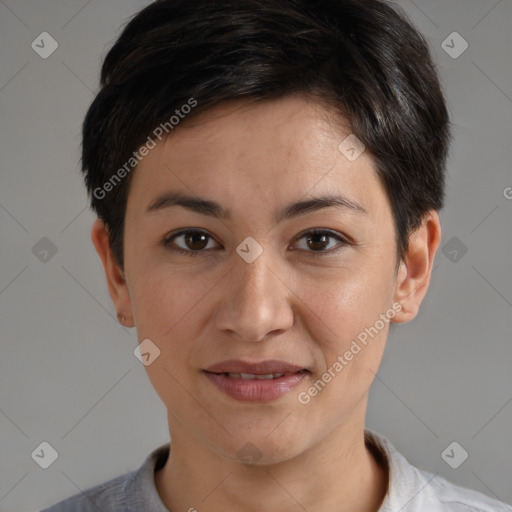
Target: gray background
(68, 373)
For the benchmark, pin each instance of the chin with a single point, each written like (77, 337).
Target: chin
(260, 448)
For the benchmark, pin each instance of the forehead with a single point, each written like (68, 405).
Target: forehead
(270, 152)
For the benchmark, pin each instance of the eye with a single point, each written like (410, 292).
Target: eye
(195, 240)
(317, 239)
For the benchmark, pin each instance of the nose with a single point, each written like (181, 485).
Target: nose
(256, 300)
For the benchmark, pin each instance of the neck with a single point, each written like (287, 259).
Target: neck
(343, 475)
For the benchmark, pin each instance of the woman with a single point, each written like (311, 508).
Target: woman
(267, 177)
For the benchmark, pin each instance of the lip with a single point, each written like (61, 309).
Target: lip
(257, 368)
(255, 390)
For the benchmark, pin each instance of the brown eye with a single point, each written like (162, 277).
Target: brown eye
(318, 241)
(194, 241)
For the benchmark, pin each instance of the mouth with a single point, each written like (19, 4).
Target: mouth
(256, 376)
(255, 382)
(267, 367)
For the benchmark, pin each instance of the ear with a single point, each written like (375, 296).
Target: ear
(414, 273)
(113, 273)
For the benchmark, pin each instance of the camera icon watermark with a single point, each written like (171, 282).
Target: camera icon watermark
(44, 250)
(45, 455)
(507, 192)
(249, 249)
(454, 455)
(454, 249)
(146, 352)
(249, 453)
(44, 45)
(454, 45)
(351, 147)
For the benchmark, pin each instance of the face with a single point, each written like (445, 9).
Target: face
(256, 281)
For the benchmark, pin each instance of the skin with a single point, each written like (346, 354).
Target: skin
(287, 305)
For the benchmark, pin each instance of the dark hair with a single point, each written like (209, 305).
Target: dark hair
(361, 58)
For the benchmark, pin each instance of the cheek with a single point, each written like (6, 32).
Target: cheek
(162, 299)
(167, 309)
(348, 300)
(352, 309)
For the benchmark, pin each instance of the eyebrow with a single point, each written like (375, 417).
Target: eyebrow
(213, 209)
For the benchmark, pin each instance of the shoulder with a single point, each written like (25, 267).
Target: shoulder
(413, 490)
(454, 498)
(107, 496)
(128, 492)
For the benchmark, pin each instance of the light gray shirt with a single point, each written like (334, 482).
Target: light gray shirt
(409, 490)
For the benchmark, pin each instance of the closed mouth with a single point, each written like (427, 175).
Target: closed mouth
(256, 376)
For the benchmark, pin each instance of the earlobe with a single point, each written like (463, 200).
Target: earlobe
(114, 275)
(414, 273)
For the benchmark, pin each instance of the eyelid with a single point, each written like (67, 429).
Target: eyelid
(168, 239)
(342, 240)
(334, 234)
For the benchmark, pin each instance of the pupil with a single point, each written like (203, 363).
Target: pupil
(322, 236)
(201, 243)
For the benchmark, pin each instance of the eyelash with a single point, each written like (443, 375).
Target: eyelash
(168, 239)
